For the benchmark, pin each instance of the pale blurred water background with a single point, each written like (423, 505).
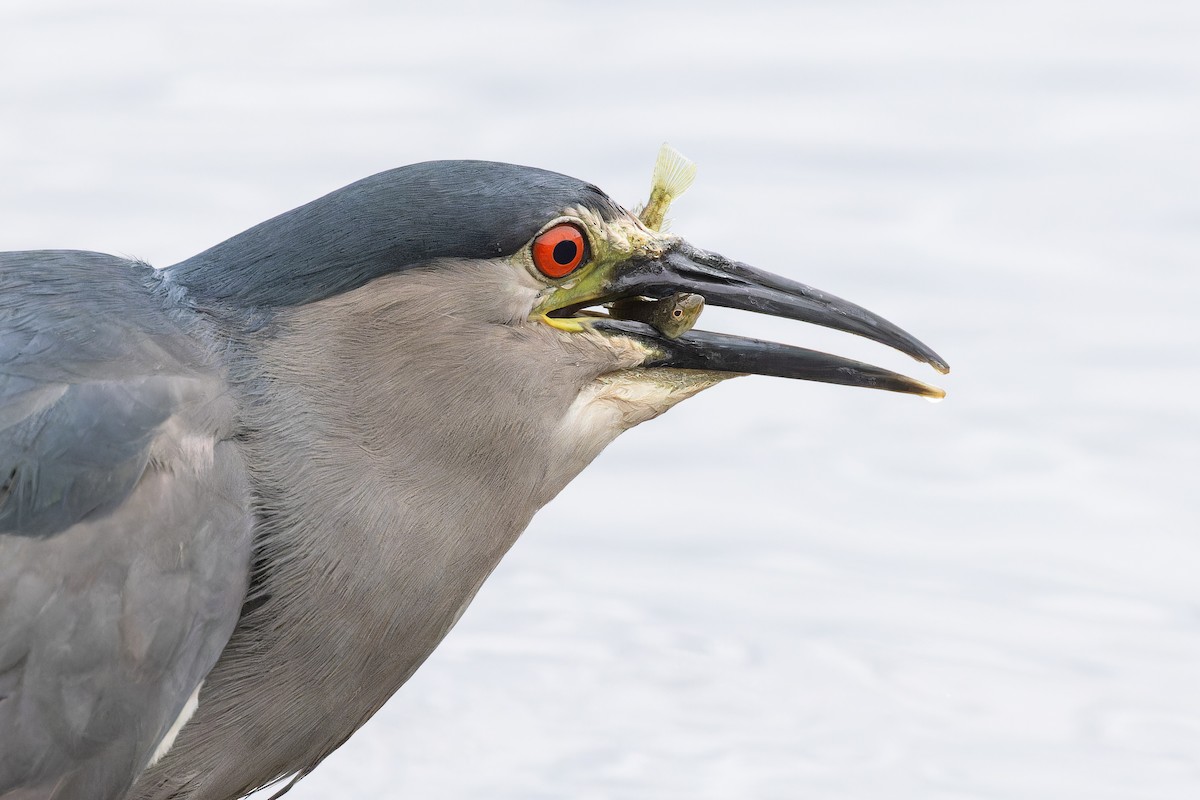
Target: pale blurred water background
(778, 590)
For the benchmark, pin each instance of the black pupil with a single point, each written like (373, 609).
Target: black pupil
(564, 252)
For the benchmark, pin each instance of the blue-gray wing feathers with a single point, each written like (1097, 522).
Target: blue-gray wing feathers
(124, 523)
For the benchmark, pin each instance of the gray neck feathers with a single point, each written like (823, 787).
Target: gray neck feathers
(404, 445)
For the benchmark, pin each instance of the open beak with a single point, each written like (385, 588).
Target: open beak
(722, 282)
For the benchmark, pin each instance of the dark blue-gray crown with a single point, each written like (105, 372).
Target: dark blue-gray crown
(388, 222)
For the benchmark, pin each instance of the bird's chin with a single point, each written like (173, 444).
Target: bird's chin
(616, 401)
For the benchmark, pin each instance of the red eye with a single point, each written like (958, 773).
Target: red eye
(558, 251)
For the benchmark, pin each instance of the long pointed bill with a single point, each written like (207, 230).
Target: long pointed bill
(683, 270)
(718, 352)
(723, 282)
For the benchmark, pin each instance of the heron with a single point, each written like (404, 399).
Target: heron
(243, 497)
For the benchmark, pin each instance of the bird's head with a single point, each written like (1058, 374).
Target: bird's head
(469, 300)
